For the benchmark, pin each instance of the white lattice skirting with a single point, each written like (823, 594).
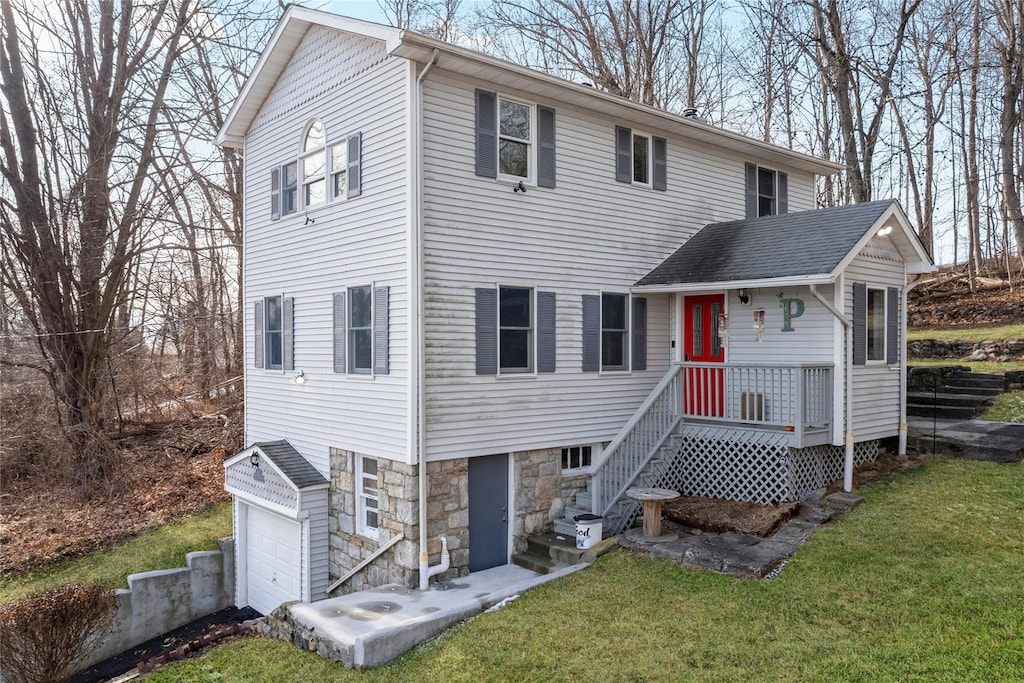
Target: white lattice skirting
(752, 465)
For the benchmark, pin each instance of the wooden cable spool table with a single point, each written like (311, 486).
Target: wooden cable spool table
(652, 500)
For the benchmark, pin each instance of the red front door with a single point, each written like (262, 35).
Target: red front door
(703, 344)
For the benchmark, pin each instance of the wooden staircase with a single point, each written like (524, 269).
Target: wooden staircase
(963, 396)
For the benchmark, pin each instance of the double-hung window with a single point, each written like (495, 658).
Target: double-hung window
(367, 501)
(876, 324)
(314, 165)
(767, 191)
(614, 332)
(876, 315)
(289, 188)
(272, 332)
(515, 139)
(339, 164)
(360, 330)
(273, 318)
(640, 159)
(515, 329)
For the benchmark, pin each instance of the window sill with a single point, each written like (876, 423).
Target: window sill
(517, 375)
(579, 471)
(358, 376)
(513, 182)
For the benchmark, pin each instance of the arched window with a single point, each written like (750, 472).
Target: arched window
(314, 164)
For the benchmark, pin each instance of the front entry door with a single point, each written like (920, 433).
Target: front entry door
(488, 511)
(704, 386)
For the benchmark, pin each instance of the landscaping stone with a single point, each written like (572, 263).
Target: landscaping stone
(845, 499)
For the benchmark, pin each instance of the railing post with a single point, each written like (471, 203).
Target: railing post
(801, 380)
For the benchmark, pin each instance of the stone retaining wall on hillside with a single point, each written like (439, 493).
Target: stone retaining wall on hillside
(1001, 351)
(160, 601)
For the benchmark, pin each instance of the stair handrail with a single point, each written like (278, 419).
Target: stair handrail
(599, 505)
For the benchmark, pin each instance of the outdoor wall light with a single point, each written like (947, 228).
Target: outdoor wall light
(885, 231)
(254, 459)
(520, 187)
(299, 378)
(744, 296)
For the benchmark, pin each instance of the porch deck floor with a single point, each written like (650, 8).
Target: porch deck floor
(372, 627)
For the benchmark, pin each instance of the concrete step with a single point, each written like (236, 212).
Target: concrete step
(944, 399)
(942, 411)
(565, 527)
(584, 500)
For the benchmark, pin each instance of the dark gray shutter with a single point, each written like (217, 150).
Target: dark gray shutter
(751, 190)
(275, 194)
(591, 332)
(545, 147)
(782, 188)
(486, 331)
(380, 330)
(892, 325)
(660, 164)
(623, 154)
(355, 165)
(486, 134)
(258, 333)
(545, 331)
(860, 323)
(339, 332)
(639, 332)
(287, 333)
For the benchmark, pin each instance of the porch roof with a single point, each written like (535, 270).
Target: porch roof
(794, 248)
(295, 469)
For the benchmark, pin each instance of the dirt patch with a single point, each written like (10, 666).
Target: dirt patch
(166, 470)
(755, 519)
(710, 514)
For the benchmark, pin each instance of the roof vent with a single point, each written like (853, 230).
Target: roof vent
(691, 113)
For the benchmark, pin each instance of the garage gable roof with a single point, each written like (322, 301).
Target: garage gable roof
(295, 468)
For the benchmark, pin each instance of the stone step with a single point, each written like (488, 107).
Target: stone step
(941, 411)
(584, 500)
(944, 399)
(559, 547)
(975, 391)
(976, 379)
(565, 527)
(537, 563)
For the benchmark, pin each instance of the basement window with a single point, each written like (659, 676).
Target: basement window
(576, 457)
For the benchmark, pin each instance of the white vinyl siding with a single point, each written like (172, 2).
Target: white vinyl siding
(350, 85)
(876, 386)
(811, 340)
(581, 238)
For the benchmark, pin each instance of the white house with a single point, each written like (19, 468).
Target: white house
(523, 289)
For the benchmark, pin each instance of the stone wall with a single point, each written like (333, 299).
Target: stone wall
(1001, 351)
(397, 499)
(541, 493)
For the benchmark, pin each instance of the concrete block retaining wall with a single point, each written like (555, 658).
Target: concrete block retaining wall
(160, 601)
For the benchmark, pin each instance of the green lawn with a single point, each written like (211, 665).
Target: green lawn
(924, 582)
(161, 548)
(976, 366)
(1008, 407)
(1000, 333)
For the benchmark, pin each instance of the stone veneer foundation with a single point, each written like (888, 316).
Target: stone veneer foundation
(541, 493)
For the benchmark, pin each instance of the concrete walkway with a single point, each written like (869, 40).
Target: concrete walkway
(372, 627)
(973, 439)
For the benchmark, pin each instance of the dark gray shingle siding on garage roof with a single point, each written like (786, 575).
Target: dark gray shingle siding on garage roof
(790, 245)
(291, 463)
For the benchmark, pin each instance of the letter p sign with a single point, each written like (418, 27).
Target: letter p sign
(791, 308)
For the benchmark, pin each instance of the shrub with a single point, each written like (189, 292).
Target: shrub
(44, 636)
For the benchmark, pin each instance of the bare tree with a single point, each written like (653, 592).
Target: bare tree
(626, 48)
(1008, 42)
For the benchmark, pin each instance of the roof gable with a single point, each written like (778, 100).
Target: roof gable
(286, 461)
(811, 245)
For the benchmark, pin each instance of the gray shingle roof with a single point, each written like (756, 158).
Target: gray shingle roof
(291, 463)
(793, 244)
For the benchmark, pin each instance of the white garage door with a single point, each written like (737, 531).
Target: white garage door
(273, 560)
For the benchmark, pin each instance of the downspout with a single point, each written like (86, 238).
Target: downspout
(903, 366)
(426, 571)
(848, 377)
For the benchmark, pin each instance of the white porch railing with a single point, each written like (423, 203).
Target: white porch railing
(794, 398)
(636, 443)
(790, 398)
